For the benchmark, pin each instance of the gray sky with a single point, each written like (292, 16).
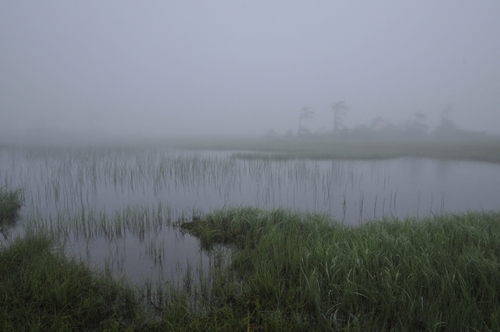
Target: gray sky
(244, 67)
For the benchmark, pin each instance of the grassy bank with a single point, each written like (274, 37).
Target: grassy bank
(300, 271)
(284, 272)
(328, 148)
(41, 290)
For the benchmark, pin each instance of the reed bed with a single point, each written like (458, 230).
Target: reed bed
(105, 180)
(10, 202)
(44, 291)
(272, 270)
(304, 271)
(256, 269)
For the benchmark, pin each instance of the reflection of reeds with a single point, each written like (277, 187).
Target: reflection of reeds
(64, 180)
(275, 268)
(117, 197)
(283, 271)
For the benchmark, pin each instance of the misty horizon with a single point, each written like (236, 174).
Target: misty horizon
(232, 68)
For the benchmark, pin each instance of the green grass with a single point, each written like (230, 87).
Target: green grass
(43, 291)
(283, 271)
(10, 203)
(301, 271)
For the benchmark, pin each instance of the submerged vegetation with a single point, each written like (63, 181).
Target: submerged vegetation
(274, 271)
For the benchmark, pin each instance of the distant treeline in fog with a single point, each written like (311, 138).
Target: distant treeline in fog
(380, 127)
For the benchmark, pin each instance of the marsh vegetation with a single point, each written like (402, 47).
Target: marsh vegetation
(485, 148)
(168, 240)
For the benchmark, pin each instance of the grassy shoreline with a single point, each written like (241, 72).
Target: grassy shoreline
(44, 291)
(304, 271)
(284, 271)
(487, 150)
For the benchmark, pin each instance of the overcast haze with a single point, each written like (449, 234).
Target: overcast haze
(244, 67)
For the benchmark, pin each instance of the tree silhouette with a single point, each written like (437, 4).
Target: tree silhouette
(378, 123)
(418, 128)
(339, 109)
(447, 126)
(305, 113)
(446, 120)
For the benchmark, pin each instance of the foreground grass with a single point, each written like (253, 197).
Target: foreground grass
(41, 290)
(285, 272)
(10, 203)
(301, 272)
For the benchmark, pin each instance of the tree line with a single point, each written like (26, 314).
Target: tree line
(379, 127)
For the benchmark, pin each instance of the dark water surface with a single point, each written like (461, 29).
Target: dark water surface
(114, 206)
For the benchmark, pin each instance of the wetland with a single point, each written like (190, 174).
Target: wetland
(159, 216)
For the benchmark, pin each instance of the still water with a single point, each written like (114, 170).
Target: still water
(117, 207)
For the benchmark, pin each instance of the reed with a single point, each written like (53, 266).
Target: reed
(44, 291)
(257, 269)
(10, 202)
(273, 270)
(433, 274)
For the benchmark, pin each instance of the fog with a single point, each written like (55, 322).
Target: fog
(194, 68)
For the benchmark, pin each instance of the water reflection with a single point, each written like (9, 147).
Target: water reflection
(115, 206)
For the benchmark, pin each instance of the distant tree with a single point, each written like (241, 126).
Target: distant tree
(418, 127)
(305, 113)
(447, 126)
(271, 133)
(339, 109)
(446, 112)
(378, 123)
(449, 130)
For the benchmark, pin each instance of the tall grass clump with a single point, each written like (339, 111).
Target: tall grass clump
(303, 271)
(41, 290)
(10, 203)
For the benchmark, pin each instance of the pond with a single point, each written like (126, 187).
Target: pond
(117, 208)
